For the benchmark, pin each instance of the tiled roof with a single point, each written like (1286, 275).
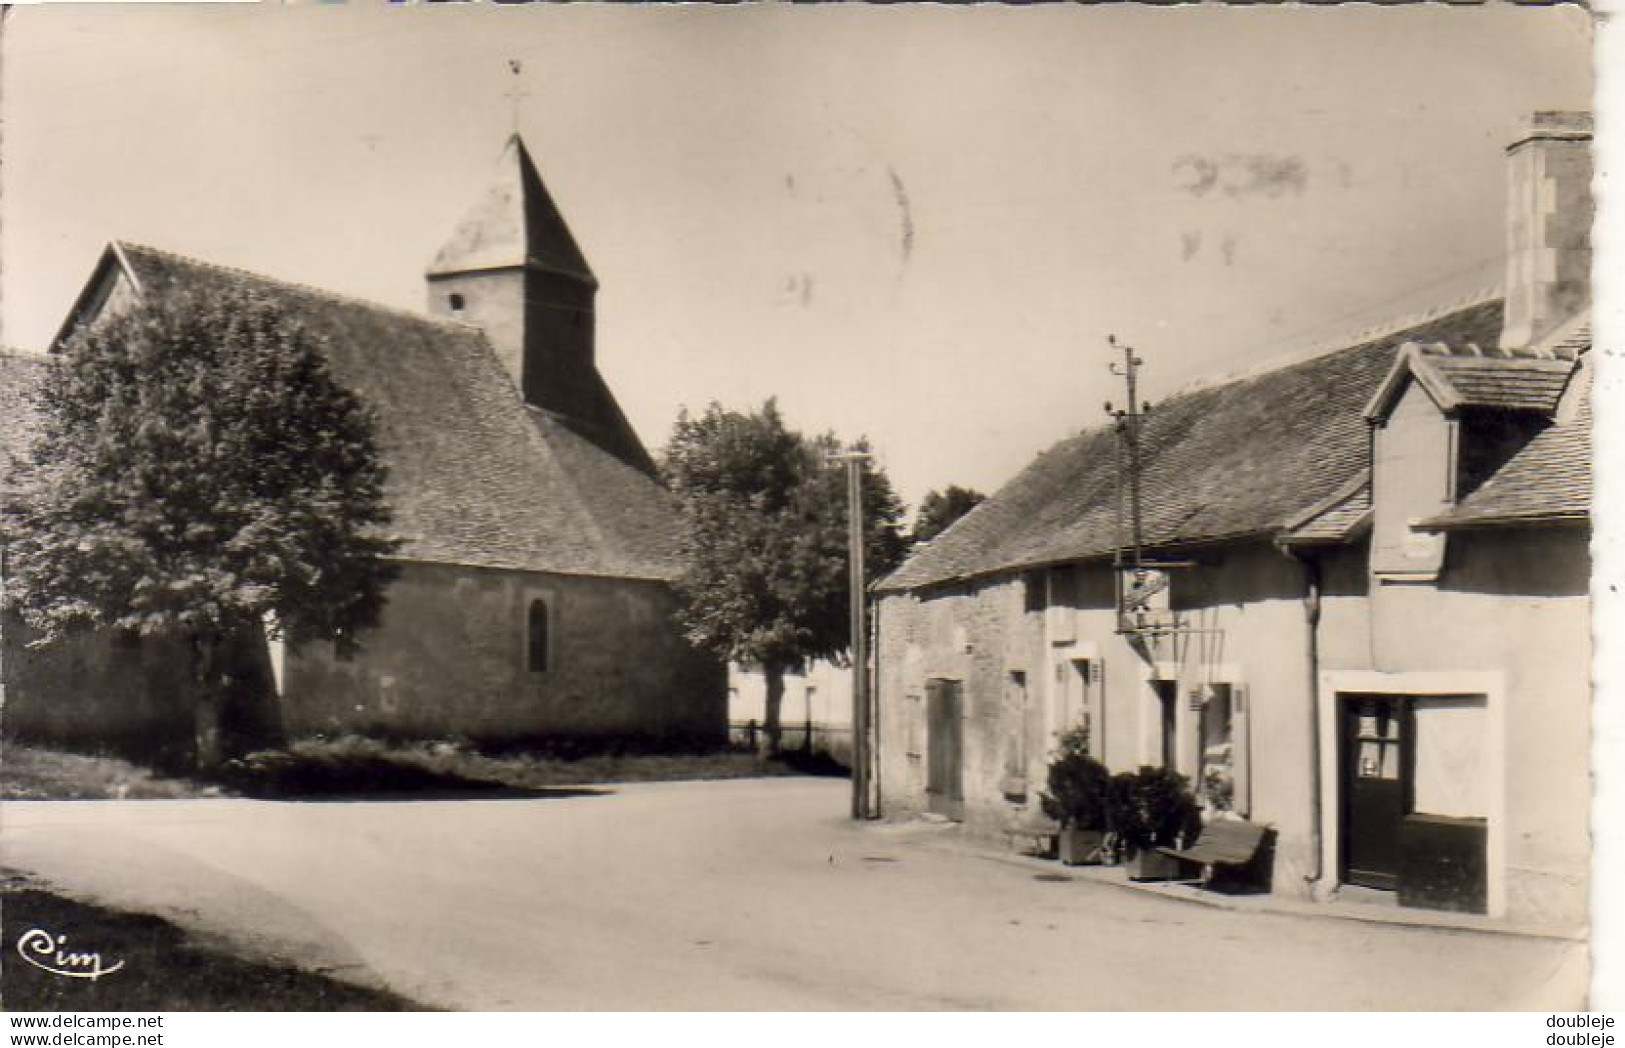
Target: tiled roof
(629, 510)
(1547, 480)
(1345, 515)
(515, 223)
(1246, 458)
(1460, 376)
(1519, 385)
(20, 377)
(475, 476)
(1457, 373)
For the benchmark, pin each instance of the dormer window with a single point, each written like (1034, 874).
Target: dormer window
(1412, 474)
(1486, 439)
(1447, 418)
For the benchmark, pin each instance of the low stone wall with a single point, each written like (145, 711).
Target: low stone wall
(129, 696)
(450, 660)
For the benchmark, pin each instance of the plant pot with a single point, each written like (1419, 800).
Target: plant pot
(1152, 865)
(1082, 847)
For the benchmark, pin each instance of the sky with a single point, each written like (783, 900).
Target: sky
(914, 223)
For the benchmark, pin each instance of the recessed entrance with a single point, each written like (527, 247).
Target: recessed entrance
(1413, 788)
(1378, 769)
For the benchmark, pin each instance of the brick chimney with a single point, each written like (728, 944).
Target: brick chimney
(1548, 226)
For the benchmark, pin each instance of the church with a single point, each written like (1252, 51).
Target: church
(534, 600)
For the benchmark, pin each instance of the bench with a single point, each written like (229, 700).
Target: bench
(1228, 843)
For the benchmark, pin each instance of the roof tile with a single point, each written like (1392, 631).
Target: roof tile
(1245, 458)
(475, 476)
(1548, 479)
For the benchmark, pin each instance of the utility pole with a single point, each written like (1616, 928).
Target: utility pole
(855, 459)
(1128, 423)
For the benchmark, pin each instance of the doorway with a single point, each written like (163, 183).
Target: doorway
(944, 741)
(1377, 778)
(1166, 712)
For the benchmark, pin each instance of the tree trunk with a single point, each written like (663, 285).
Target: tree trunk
(208, 702)
(775, 701)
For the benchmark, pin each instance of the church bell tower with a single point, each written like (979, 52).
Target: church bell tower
(512, 269)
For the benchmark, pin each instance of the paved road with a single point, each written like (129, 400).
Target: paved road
(727, 895)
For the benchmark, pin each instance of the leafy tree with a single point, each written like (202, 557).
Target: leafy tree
(764, 515)
(200, 473)
(939, 509)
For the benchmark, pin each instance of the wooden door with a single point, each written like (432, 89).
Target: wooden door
(1377, 770)
(944, 786)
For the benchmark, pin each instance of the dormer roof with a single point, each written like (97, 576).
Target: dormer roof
(513, 225)
(1460, 375)
(1548, 480)
(476, 476)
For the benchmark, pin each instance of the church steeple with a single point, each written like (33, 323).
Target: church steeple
(514, 224)
(512, 268)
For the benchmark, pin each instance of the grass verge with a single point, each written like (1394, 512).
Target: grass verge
(161, 970)
(32, 773)
(361, 767)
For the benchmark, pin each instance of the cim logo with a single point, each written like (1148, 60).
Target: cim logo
(50, 953)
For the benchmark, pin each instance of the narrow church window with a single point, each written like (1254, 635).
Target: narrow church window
(537, 648)
(456, 303)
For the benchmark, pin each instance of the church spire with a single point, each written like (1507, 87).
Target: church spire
(514, 224)
(512, 269)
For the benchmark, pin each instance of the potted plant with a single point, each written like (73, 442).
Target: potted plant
(1076, 799)
(1149, 809)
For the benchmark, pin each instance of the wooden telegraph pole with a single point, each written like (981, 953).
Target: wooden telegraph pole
(854, 459)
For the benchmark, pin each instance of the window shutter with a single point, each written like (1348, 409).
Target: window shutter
(1241, 748)
(1094, 707)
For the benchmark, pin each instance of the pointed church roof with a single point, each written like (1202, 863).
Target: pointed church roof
(476, 476)
(514, 224)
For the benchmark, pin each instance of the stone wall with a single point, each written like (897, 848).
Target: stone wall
(816, 712)
(1515, 604)
(1034, 665)
(449, 659)
(99, 692)
(1509, 608)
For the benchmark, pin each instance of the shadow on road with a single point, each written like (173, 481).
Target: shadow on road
(145, 963)
(327, 780)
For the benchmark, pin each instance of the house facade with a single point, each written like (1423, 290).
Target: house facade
(534, 599)
(815, 714)
(1365, 619)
